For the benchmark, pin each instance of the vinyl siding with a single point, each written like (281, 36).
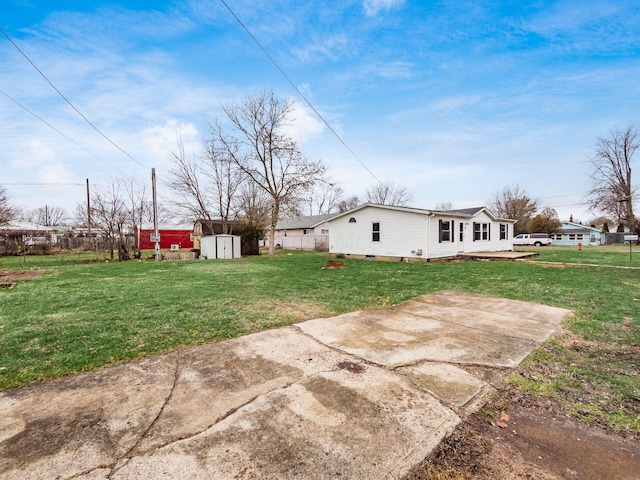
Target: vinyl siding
(403, 233)
(400, 233)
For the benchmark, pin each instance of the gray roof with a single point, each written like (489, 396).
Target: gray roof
(303, 222)
(462, 212)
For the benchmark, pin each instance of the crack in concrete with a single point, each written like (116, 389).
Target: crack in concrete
(114, 468)
(217, 421)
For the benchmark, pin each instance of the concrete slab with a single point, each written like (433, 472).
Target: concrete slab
(257, 404)
(453, 386)
(443, 327)
(317, 400)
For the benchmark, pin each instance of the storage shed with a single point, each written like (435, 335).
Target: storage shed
(220, 246)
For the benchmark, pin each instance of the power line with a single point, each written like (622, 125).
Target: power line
(44, 184)
(69, 102)
(63, 134)
(299, 92)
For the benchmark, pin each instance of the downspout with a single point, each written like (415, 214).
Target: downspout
(429, 217)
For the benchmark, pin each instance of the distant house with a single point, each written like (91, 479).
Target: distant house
(372, 230)
(172, 236)
(571, 233)
(303, 233)
(21, 236)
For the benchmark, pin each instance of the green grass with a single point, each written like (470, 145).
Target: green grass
(82, 314)
(609, 255)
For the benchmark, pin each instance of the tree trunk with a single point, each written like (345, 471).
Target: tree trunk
(272, 231)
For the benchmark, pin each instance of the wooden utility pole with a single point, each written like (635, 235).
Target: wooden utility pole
(156, 233)
(89, 213)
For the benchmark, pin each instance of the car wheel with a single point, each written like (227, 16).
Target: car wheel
(537, 244)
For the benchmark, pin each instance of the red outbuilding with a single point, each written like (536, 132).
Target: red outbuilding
(172, 236)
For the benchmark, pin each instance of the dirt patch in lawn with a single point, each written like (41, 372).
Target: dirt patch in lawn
(515, 438)
(8, 277)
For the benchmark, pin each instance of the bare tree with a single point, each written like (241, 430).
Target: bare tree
(225, 175)
(140, 208)
(186, 181)
(612, 191)
(270, 159)
(324, 198)
(348, 203)
(110, 215)
(514, 203)
(388, 193)
(444, 207)
(48, 216)
(7, 210)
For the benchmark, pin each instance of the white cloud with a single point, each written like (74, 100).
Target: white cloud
(157, 141)
(372, 7)
(304, 125)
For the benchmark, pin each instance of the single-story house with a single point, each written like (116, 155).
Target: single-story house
(172, 236)
(303, 233)
(20, 236)
(372, 230)
(571, 233)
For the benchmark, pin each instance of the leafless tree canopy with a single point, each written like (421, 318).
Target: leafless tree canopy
(324, 199)
(514, 203)
(7, 211)
(271, 160)
(444, 207)
(388, 193)
(348, 203)
(48, 216)
(115, 210)
(186, 180)
(612, 191)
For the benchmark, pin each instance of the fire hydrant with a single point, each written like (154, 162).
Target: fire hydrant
(580, 246)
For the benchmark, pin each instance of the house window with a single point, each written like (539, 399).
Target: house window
(375, 230)
(305, 231)
(572, 236)
(444, 227)
(579, 236)
(504, 231)
(324, 231)
(481, 231)
(352, 220)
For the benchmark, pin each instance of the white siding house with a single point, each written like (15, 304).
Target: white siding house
(303, 233)
(372, 230)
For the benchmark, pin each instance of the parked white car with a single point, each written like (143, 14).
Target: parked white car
(535, 239)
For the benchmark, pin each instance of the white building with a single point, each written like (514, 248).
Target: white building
(372, 230)
(303, 233)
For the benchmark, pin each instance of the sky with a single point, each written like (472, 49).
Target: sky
(455, 100)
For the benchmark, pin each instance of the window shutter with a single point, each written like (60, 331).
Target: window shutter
(453, 230)
(489, 233)
(440, 231)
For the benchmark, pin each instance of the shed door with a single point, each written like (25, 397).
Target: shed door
(224, 247)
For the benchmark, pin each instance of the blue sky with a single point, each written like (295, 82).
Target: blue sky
(455, 100)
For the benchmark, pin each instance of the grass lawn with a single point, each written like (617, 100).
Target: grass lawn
(81, 314)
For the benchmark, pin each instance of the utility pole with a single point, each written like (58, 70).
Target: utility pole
(156, 234)
(89, 213)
